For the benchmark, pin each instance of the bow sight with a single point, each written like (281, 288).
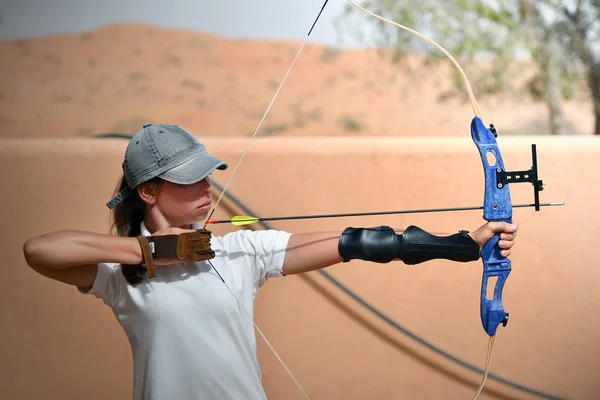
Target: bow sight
(531, 175)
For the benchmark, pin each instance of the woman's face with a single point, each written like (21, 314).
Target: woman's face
(185, 204)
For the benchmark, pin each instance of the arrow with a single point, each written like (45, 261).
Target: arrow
(240, 220)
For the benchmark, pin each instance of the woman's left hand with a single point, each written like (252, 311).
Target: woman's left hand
(508, 233)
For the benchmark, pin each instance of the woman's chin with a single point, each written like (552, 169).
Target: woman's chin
(199, 216)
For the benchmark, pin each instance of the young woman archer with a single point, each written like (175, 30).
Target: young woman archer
(189, 338)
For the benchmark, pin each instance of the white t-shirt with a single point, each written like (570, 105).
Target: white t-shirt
(188, 336)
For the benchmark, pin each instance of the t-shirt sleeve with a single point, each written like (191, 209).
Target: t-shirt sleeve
(266, 250)
(108, 285)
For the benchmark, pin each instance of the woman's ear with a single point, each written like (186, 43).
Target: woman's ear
(148, 194)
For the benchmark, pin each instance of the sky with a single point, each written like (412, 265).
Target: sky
(262, 19)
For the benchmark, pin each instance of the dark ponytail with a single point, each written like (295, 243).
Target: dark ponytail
(126, 218)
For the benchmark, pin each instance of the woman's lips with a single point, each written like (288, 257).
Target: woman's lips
(205, 205)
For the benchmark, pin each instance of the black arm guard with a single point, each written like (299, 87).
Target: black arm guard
(413, 246)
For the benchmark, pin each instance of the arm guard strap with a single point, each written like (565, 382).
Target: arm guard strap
(413, 246)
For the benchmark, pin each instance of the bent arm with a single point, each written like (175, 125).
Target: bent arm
(73, 256)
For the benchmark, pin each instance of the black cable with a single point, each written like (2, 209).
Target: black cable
(373, 309)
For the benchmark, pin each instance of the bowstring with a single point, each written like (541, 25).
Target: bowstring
(219, 200)
(488, 362)
(255, 132)
(231, 178)
(266, 113)
(476, 111)
(261, 333)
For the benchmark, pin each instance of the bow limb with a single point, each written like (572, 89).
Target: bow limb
(433, 42)
(266, 112)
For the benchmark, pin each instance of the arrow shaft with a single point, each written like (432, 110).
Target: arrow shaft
(362, 214)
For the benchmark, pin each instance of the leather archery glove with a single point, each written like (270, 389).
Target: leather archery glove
(188, 246)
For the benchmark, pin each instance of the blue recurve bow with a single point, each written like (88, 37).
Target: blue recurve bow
(497, 206)
(497, 202)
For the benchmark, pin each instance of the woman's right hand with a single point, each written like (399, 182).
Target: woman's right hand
(166, 232)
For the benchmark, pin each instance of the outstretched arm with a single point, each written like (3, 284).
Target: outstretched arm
(312, 251)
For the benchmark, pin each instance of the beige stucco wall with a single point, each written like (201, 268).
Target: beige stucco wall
(59, 344)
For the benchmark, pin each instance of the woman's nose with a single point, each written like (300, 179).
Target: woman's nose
(204, 184)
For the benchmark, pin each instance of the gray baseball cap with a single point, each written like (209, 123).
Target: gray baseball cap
(166, 151)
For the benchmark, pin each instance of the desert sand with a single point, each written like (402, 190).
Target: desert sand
(116, 78)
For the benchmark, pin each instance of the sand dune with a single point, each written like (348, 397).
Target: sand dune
(115, 78)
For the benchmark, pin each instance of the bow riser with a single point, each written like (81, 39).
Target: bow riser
(497, 206)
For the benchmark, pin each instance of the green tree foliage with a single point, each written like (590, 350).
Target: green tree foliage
(558, 37)
(580, 26)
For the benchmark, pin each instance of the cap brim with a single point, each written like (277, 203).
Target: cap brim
(194, 170)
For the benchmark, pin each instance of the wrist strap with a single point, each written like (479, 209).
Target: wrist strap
(147, 256)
